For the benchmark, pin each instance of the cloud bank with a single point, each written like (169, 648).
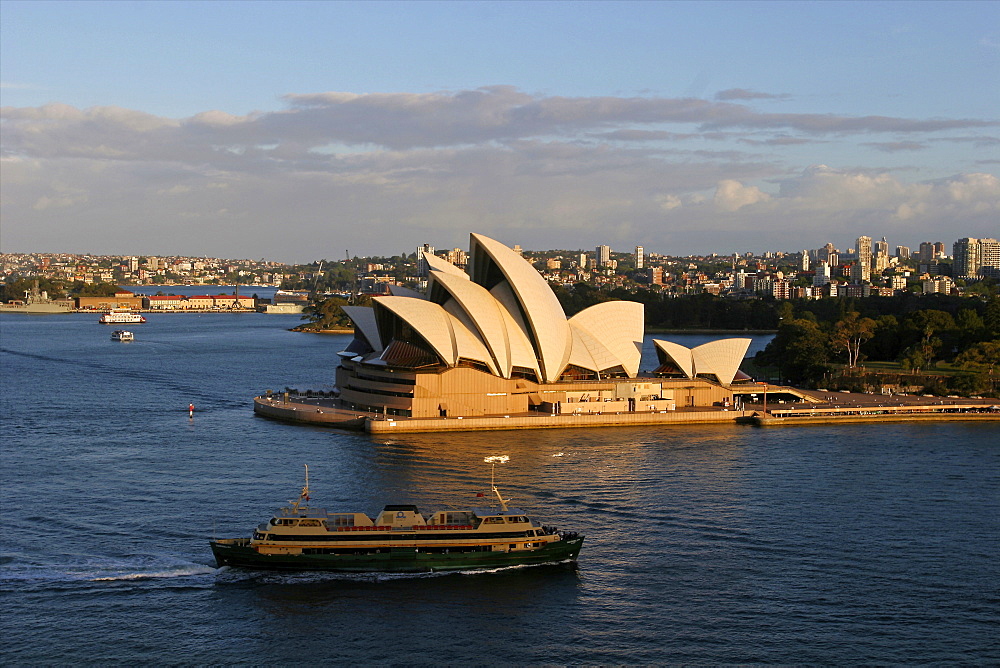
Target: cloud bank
(379, 173)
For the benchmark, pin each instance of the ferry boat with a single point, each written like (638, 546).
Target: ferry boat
(122, 335)
(400, 539)
(121, 316)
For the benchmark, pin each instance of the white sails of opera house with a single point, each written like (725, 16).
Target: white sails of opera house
(501, 319)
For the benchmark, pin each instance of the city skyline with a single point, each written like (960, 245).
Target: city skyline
(687, 128)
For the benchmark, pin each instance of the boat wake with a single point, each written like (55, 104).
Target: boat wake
(17, 571)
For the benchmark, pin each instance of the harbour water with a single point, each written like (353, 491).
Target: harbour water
(724, 544)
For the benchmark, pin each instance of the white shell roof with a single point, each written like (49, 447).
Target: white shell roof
(400, 291)
(720, 357)
(546, 319)
(440, 264)
(483, 311)
(518, 322)
(681, 355)
(429, 319)
(363, 318)
(618, 327)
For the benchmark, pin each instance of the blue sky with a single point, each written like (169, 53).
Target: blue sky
(292, 130)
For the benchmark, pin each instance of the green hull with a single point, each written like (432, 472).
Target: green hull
(406, 560)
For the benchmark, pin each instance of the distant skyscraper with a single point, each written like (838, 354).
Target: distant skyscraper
(804, 261)
(639, 257)
(603, 255)
(862, 271)
(864, 246)
(421, 262)
(881, 247)
(582, 261)
(902, 252)
(926, 251)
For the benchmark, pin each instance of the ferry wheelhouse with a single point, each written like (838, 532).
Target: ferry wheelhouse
(398, 540)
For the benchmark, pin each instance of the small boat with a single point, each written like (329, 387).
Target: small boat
(400, 539)
(122, 335)
(121, 316)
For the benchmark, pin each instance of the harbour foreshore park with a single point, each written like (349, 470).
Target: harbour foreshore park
(490, 348)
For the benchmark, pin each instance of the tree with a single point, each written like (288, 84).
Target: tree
(328, 313)
(984, 356)
(849, 333)
(800, 350)
(923, 325)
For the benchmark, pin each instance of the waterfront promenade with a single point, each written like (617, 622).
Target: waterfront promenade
(829, 408)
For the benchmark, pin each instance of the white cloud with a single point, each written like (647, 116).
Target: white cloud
(368, 170)
(733, 195)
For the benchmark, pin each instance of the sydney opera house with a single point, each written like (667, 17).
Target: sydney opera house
(494, 340)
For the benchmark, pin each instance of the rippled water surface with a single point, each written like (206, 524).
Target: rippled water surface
(859, 543)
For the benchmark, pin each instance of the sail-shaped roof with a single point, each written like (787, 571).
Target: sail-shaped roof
(545, 322)
(720, 358)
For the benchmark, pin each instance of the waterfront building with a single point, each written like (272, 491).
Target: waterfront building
(494, 340)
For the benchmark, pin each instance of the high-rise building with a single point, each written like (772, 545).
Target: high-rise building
(926, 251)
(639, 257)
(603, 255)
(421, 262)
(903, 252)
(881, 247)
(860, 272)
(989, 250)
(864, 245)
(975, 257)
(822, 276)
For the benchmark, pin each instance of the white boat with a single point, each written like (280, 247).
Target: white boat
(122, 335)
(121, 316)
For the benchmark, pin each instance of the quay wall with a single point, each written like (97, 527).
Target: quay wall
(549, 421)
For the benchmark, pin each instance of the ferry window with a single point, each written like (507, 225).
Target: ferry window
(309, 523)
(343, 520)
(493, 520)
